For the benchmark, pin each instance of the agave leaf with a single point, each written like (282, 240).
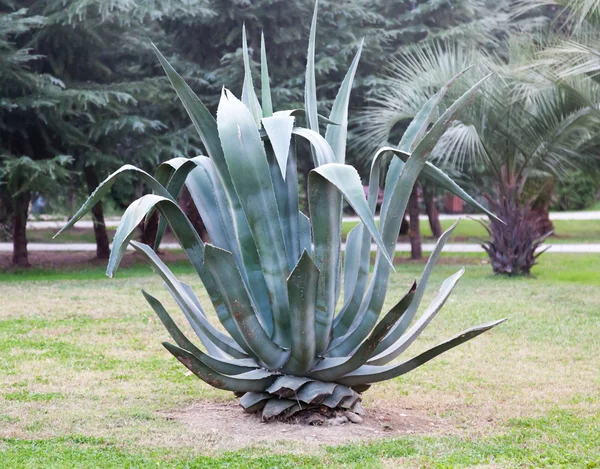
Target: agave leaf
(105, 186)
(305, 231)
(373, 301)
(254, 401)
(221, 365)
(302, 112)
(399, 346)
(286, 195)
(310, 90)
(346, 179)
(322, 151)
(402, 325)
(265, 87)
(249, 97)
(279, 131)
(417, 128)
(302, 292)
(336, 135)
(350, 401)
(315, 391)
(133, 216)
(339, 394)
(368, 374)
(206, 126)
(166, 169)
(252, 381)
(352, 261)
(190, 293)
(330, 369)
(233, 291)
(194, 315)
(286, 385)
(275, 407)
(251, 178)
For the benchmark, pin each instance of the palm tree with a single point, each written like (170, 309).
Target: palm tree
(524, 126)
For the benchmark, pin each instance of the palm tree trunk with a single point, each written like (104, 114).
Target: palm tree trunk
(102, 244)
(416, 250)
(19, 230)
(432, 212)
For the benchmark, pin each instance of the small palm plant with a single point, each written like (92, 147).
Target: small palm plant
(273, 275)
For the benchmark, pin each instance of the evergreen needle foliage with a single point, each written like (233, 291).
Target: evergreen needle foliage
(274, 276)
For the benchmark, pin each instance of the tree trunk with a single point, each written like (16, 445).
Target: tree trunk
(19, 230)
(102, 244)
(187, 203)
(416, 250)
(432, 213)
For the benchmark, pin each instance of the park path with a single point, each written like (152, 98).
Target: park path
(113, 222)
(400, 247)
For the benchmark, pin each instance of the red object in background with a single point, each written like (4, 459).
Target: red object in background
(454, 204)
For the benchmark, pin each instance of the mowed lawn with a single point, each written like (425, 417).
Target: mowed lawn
(85, 382)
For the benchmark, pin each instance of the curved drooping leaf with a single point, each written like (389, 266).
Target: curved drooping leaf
(233, 291)
(336, 134)
(339, 394)
(286, 385)
(254, 401)
(265, 85)
(315, 391)
(322, 151)
(249, 97)
(195, 316)
(302, 292)
(275, 407)
(404, 341)
(330, 369)
(105, 186)
(402, 325)
(252, 381)
(221, 365)
(368, 374)
(250, 174)
(279, 131)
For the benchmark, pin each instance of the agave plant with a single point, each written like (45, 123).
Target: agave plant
(273, 275)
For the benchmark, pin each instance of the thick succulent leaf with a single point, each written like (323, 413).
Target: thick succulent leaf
(350, 401)
(252, 381)
(330, 369)
(286, 195)
(286, 385)
(279, 131)
(322, 151)
(105, 186)
(315, 391)
(339, 394)
(310, 85)
(404, 341)
(336, 135)
(419, 125)
(305, 231)
(302, 292)
(202, 119)
(221, 365)
(229, 282)
(166, 169)
(402, 325)
(352, 261)
(249, 97)
(441, 179)
(186, 234)
(368, 374)
(251, 178)
(193, 313)
(275, 407)
(254, 401)
(346, 179)
(265, 85)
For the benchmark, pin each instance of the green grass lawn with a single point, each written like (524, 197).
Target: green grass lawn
(84, 381)
(566, 231)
